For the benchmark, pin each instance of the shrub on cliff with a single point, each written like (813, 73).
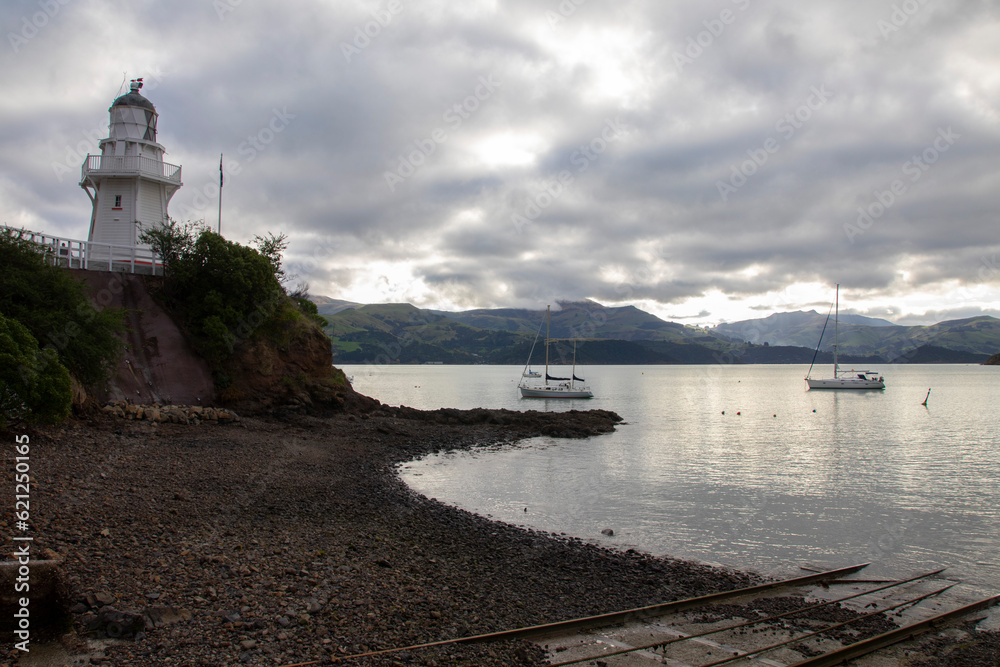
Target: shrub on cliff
(225, 293)
(34, 386)
(171, 239)
(53, 306)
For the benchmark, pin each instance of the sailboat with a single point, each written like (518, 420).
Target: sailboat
(851, 379)
(548, 386)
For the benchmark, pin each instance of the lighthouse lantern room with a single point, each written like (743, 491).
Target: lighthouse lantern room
(129, 184)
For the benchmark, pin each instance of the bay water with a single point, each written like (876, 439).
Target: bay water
(738, 465)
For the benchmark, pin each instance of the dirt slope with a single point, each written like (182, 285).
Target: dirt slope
(159, 365)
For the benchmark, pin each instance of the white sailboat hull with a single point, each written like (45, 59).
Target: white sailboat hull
(844, 383)
(555, 391)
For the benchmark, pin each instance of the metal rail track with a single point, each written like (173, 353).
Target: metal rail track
(632, 616)
(655, 652)
(762, 621)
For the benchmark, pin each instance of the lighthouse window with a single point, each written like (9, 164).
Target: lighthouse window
(118, 201)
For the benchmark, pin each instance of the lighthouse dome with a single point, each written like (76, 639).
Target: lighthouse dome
(133, 99)
(133, 116)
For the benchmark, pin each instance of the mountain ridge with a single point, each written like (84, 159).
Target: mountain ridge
(404, 333)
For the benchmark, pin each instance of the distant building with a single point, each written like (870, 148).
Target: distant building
(129, 184)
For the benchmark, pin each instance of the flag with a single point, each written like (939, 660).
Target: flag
(220, 170)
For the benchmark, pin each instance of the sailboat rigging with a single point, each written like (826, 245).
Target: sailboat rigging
(841, 379)
(532, 386)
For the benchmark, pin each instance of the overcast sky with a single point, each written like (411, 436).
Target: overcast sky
(706, 161)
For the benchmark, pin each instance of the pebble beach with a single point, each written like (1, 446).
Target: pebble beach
(292, 541)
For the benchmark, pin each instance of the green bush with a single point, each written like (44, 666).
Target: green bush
(54, 307)
(225, 293)
(171, 239)
(34, 386)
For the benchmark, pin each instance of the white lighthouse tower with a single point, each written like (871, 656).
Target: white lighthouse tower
(129, 184)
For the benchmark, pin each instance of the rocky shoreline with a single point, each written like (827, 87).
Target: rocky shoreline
(286, 541)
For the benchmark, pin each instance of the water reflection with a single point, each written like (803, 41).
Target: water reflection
(751, 470)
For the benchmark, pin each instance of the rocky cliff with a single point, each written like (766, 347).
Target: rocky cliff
(160, 365)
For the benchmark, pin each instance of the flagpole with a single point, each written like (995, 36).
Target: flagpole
(220, 194)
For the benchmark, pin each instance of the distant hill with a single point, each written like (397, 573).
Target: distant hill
(866, 336)
(932, 354)
(801, 328)
(577, 319)
(327, 306)
(403, 333)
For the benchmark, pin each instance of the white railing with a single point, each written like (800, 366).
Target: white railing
(129, 165)
(93, 256)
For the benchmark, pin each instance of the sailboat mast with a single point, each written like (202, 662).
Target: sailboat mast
(548, 319)
(572, 376)
(836, 333)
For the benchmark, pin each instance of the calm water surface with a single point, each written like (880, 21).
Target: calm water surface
(739, 465)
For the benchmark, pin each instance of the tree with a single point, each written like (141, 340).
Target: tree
(171, 239)
(53, 306)
(34, 386)
(273, 247)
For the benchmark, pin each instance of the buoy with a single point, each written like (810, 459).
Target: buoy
(738, 413)
(926, 397)
(814, 409)
(723, 412)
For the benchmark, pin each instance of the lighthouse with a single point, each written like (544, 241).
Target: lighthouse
(128, 183)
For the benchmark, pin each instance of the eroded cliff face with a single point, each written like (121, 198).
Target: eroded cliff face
(161, 366)
(296, 374)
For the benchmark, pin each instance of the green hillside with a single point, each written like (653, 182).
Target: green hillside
(973, 336)
(403, 333)
(578, 319)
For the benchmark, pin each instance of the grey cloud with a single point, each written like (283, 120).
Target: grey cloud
(218, 81)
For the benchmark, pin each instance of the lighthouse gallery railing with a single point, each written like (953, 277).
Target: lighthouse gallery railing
(129, 165)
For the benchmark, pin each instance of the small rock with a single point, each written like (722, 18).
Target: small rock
(119, 624)
(609, 532)
(104, 598)
(164, 616)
